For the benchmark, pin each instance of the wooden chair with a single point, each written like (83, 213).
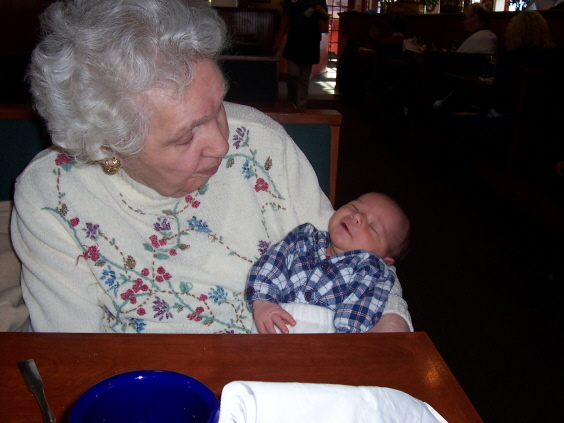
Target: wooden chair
(317, 134)
(22, 136)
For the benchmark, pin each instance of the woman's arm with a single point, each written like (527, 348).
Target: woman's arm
(395, 318)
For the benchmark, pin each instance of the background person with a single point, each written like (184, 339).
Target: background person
(300, 19)
(344, 269)
(481, 40)
(157, 198)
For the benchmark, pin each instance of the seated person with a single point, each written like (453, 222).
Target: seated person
(481, 40)
(399, 27)
(149, 210)
(372, 37)
(345, 269)
(529, 45)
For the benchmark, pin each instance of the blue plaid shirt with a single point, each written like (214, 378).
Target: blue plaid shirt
(354, 284)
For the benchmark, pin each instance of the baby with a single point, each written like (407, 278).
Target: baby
(344, 269)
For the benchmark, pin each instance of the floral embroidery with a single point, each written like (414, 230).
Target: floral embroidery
(261, 185)
(91, 230)
(241, 136)
(163, 275)
(218, 295)
(263, 246)
(139, 285)
(141, 311)
(145, 272)
(156, 242)
(162, 225)
(109, 276)
(172, 252)
(65, 162)
(74, 222)
(138, 324)
(161, 308)
(91, 253)
(198, 225)
(246, 170)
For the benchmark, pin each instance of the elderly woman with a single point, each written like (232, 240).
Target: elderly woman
(158, 197)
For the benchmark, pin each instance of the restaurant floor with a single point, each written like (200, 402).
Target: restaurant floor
(480, 276)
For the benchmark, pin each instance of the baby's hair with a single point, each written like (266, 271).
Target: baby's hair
(402, 249)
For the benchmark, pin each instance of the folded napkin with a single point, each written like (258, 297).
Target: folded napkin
(265, 402)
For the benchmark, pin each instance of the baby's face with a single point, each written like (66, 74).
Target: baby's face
(372, 222)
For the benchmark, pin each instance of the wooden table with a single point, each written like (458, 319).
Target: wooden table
(70, 363)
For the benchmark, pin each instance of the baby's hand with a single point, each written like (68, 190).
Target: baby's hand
(267, 315)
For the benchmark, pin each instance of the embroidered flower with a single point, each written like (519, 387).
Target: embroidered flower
(162, 242)
(203, 297)
(74, 221)
(154, 241)
(240, 137)
(145, 272)
(138, 324)
(162, 225)
(62, 159)
(246, 170)
(161, 308)
(188, 198)
(200, 310)
(109, 276)
(196, 204)
(172, 252)
(198, 225)
(139, 286)
(91, 230)
(91, 253)
(125, 295)
(263, 246)
(261, 185)
(194, 317)
(218, 295)
(141, 311)
(163, 275)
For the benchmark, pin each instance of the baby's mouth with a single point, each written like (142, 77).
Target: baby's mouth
(345, 227)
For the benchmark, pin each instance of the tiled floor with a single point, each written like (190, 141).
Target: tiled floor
(477, 278)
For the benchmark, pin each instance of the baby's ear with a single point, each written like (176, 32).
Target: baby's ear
(388, 260)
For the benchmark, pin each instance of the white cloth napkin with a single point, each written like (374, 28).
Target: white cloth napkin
(269, 402)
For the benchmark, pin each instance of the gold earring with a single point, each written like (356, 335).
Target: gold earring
(111, 165)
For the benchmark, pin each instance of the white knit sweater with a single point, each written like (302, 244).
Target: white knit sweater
(104, 253)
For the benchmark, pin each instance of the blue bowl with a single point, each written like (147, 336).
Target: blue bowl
(148, 396)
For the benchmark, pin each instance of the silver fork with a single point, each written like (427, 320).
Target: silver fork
(35, 384)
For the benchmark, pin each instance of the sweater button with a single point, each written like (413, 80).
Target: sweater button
(250, 291)
(308, 295)
(325, 266)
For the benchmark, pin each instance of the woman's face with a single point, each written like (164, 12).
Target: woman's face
(187, 136)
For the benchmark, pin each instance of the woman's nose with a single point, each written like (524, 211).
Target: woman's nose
(216, 142)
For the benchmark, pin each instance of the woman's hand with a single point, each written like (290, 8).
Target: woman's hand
(390, 322)
(268, 315)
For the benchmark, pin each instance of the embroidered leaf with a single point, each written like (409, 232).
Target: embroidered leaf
(148, 246)
(185, 287)
(183, 247)
(100, 263)
(168, 212)
(268, 163)
(230, 163)
(161, 256)
(204, 189)
(63, 194)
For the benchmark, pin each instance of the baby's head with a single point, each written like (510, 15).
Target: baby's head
(373, 222)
